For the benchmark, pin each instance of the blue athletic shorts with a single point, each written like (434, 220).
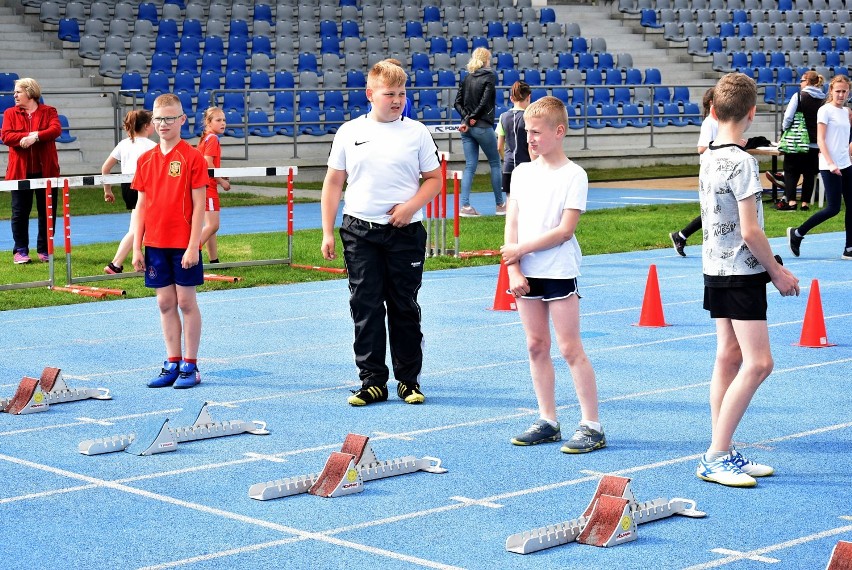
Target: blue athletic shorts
(551, 289)
(162, 268)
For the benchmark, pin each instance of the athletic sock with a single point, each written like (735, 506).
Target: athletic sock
(592, 425)
(552, 423)
(711, 455)
(174, 359)
(683, 237)
(191, 360)
(796, 232)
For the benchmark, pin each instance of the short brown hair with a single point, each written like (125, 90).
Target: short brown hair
(520, 91)
(551, 109)
(168, 100)
(387, 72)
(734, 96)
(135, 121)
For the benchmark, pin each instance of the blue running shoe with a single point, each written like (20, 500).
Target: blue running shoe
(539, 432)
(189, 376)
(750, 467)
(584, 440)
(167, 376)
(724, 472)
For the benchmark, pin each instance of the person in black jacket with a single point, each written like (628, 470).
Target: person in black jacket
(475, 103)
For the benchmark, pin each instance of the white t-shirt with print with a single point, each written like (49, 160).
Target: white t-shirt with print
(728, 175)
(127, 152)
(836, 120)
(383, 162)
(542, 194)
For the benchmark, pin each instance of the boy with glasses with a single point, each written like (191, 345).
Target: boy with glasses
(171, 179)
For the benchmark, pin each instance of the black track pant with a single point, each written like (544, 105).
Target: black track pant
(385, 266)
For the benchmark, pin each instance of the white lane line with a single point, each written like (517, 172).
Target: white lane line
(228, 514)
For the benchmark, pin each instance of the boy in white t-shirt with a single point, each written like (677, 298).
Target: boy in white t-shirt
(381, 156)
(543, 262)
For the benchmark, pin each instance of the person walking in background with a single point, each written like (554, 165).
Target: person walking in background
(805, 164)
(211, 150)
(138, 126)
(171, 179)
(542, 258)
(476, 102)
(511, 133)
(709, 127)
(381, 157)
(835, 165)
(737, 263)
(30, 130)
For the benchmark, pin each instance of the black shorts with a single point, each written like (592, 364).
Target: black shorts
(130, 196)
(551, 289)
(738, 303)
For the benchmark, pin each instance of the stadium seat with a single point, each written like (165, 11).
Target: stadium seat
(310, 122)
(259, 124)
(131, 85)
(69, 30)
(235, 128)
(65, 136)
(148, 11)
(283, 121)
(235, 79)
(163, 62)
(110, 66)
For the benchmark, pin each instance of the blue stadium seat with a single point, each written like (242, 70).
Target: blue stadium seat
(605, 61)
(613, 77)
(552, 77)
(648, 19)
(210, 79)
(594, 77)
(284, 100)
(283, 120)
(632, 116)
(259, 80)
(478, 42)
(565, 60)
(514, 30)
(333, 98)
(190, 45)
(131, 85)
(692, 113)
(235, 128)
(816, 30)
(591, 116)
(261, 44)
(259, 124)
(186, 101)
(653, 76)
(431, 14)
(532, 77)
(263, 13)
(413, 29)
(164, 63)
(284, 79)
(458, 44)
(148, 11)
(579, 45)
(235, 79)
(357, 98)
(328, 28)
(585, 61)
(632, 76)
(349, 29)
(187, 63)
(236, 61)
(510, 76)
(420, 61)
(355, 79)
(168, 29)
(334, 118)
(330, 44)
(673, 110)
(165, 44)
(307, 62)
(494, 29)
(65, 136)
(309, 99)
(148, 101)
(547, 15)
(662, 94)
(610, 117)
(69, 30)
(600, 96)
(185, 81)
(310, 122)
(238, 29)
(503, 61)
(621, 96)
(680, 94)
(192, 29)
(745, 30)
(438, 44)
(234, 102)
(214, 44)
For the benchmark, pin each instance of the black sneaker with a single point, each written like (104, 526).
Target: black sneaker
(846, 255)
(794, 241)
(368, 395)
(584, 440)
(539, 432)
(783, 206)
(678, 242)
(410, 393)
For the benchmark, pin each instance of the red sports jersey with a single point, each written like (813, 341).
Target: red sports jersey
(209, 146)
(167, 181)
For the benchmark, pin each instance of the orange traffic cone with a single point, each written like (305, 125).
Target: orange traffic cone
(813, 329)
(652, 305)
(503, 300)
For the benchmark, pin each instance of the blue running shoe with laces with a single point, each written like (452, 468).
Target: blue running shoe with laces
(167, 376)
(724, 472)
(584, 440)
(750, 467)
(539, 432)
(188, 377)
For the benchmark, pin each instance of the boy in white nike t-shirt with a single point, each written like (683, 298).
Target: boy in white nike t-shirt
(381, 156)
(543, 262)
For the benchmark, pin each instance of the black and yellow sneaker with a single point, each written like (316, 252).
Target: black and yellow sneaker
(410, 393)
(368, 395)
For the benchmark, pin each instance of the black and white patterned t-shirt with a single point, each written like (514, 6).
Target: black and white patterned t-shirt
(728, 175)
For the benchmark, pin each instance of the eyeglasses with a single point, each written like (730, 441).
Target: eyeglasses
(166, 120)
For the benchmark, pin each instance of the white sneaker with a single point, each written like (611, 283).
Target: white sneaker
(468, 212)
(501, 209)
(724, 472)
(750, 467)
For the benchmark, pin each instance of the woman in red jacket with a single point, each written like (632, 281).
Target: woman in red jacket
(30, 130)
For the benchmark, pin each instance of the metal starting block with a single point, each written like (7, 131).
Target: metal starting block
(158, 435)
(610, 519)
(36, 395)
(345, 472)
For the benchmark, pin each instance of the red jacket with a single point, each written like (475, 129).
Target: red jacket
(40, 157)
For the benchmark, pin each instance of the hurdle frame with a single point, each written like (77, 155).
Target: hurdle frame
(11, 185)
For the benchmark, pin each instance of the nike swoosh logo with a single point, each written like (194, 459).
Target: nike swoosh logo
(360, 143)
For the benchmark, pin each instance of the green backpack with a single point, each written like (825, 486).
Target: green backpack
(795, 139)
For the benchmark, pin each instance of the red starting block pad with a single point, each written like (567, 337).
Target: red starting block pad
(610, 519)
(345, 472)
(841, 556)
(36, 395)
(158, 436)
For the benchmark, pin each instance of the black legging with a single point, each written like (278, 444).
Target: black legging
(22, 207)
(835, 188)
(805, 164)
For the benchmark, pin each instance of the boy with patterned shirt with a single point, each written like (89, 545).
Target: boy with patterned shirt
(171, 179)
(737, 264)
(381, 157)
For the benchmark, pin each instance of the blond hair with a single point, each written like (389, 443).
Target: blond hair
(733, 97)
(388, 72)
(30, 86)
(480, 57)
(208, 115)
(168, 100)
(550, 109)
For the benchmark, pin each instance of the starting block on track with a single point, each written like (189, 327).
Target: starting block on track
(158, 435)
(345, 472)
(36, 395)
(841, 556)
(610, 519)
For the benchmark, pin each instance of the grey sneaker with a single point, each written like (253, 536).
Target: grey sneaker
(468, 212)
(584, 440)
(539, 432)
(794, 241)
(679, 243)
